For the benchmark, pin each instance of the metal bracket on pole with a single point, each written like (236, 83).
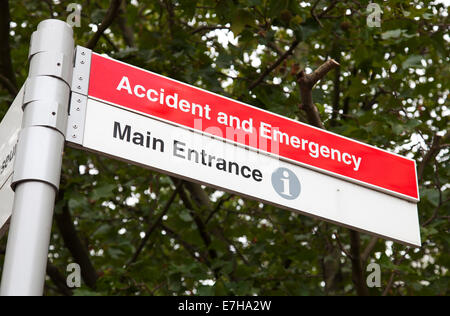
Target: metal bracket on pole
(77, 117)
(78, 97)
(81, 70)
(38, 161)
(46, 107)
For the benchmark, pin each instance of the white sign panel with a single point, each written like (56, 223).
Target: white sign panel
(9, 134)
(178, 151)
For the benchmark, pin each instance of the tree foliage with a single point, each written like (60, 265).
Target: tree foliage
(138, 232)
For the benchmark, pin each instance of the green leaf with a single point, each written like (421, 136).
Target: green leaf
(276, 6)
(85, 292)
(240, 20)
(77, 201)
(391, 34)
(115, 253)
(185, 216)
(431, 195)
(412, 61)
(204, 290)
(413, 123)
(103, 191)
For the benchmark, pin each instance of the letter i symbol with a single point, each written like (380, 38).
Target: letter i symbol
(286, 183)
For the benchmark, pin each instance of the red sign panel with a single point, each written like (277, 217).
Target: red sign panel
(178, 103)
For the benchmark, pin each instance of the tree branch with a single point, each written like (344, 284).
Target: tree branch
(313, 13)
(209, 28)
(58, 279)
(342, 247)
(110, 42)
(74, 244)
(390, 283)
(430, 154)
(306, 82)
(331, 266)
(189, 248)
(368, 250)
(110, 15)
(328, 9)
(171, 15)
(199, 195)
(197, 219)
(357, 269)
(218, 207)
(368, 104)
(12, 89)
(330, 262)
(221, 234)
(127, 31)
(203, 203)
(155, 224)
(322, 14)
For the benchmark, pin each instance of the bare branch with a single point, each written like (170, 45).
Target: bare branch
(50, 8)
(12, 89)
(218, 207)
(108, 40)
(390, 283)
(58, 279)
(321, 14)
(171, 18)
(313, 13)
(357, 268)
(275, 48)
(320, 72)
(341, 246)
(76, 247)
(306, 82)
(209, 28)
(328, 9)
(369, 248)
(189, 248)
(127, 31)
(205, 236)
(110, 15)
(221, 234)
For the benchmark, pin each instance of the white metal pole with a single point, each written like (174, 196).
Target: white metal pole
(38, 161)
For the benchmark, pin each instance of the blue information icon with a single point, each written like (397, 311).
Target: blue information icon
(286, 183)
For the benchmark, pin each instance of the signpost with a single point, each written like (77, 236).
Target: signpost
(38, 158)
(143, 118)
